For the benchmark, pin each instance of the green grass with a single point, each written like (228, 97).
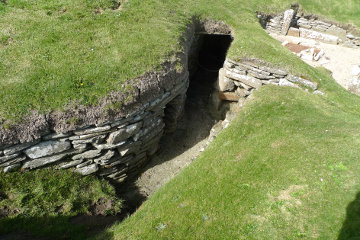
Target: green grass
(286, 168)
(54, 53)
(41, 202)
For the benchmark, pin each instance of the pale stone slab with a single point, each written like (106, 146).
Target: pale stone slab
(306, 33)
(47, 148)
(248, 80)
(93, 130)
(288, 16)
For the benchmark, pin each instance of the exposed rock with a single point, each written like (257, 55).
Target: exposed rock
(87, 155)
(124, 133)
(47, 148)
(87, 170)
(248, 80)
(19, 147)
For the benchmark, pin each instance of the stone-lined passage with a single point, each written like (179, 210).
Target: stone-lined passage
(114, 150)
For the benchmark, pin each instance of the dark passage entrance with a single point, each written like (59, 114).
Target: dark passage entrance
(180, 147)
(207, 57)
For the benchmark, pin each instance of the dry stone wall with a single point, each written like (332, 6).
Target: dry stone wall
(297, 25)
(239, 79)
(114, 150)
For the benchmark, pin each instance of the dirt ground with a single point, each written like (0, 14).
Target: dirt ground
(339, 59)
(179, 149)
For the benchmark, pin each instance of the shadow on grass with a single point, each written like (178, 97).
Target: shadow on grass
(351, 226)
(54, 228)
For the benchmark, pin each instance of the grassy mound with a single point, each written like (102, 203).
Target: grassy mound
(42, 202)
(286, 168)
(53, 53)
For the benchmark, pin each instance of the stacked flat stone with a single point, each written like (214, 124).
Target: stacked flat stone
(310, 27)
(114, 150)
(237, 80)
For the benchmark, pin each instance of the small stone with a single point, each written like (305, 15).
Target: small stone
(80, 146)
(12, 168)
(87, 170)
(47, 148)
(124, 133)
(319, 93)
(87, 155)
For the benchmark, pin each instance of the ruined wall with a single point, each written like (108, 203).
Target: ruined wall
(113, 150)
(311, 27)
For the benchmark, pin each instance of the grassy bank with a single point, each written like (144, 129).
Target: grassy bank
(53, 53)
(286, 168)
(41, 203)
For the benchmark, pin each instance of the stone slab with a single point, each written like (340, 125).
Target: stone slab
(47, 148)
